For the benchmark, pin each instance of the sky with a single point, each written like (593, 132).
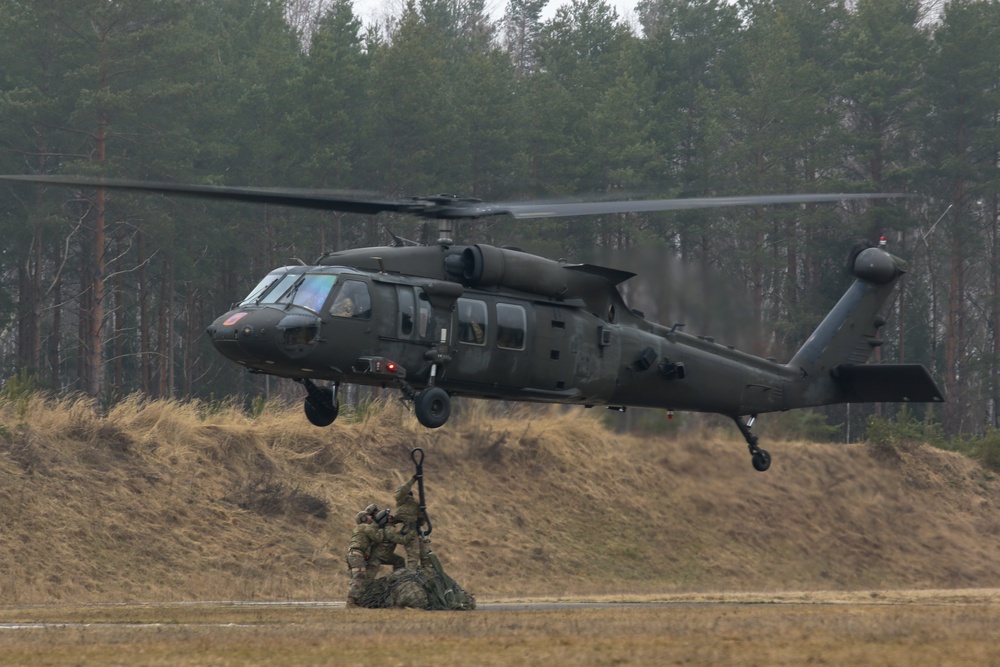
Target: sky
(369, 10)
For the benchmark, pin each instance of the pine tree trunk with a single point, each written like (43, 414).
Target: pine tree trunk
(120, 299)
(55, 335)
(954, 346)
(163, 338)
(145, 337)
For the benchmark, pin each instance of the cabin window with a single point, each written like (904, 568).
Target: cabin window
(512, 323)
(353, 300)
(472, 321)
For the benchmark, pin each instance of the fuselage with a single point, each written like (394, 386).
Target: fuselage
(473, 328)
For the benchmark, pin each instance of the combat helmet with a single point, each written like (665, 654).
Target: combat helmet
(361, 516)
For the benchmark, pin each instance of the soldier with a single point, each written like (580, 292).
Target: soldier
(343, 307)
(408, 514)
(385, 551)
(366, 535)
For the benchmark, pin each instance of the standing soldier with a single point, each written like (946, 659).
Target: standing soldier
(366, 535)
(408, 515)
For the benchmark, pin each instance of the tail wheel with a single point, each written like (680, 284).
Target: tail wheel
(432, 407)
(761, 460)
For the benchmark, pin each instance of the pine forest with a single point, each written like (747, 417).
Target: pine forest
(108, 293)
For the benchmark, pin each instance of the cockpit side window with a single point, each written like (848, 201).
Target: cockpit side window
(353, 300)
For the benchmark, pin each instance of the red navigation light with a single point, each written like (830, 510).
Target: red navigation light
(387, 369)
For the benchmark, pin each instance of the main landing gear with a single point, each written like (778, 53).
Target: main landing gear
(321, 404)
(431, 405)
(760, 459)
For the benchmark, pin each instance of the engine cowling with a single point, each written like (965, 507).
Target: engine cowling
(489, 266)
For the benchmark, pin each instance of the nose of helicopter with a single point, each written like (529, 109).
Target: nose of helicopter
(245, 336)
(264, 337)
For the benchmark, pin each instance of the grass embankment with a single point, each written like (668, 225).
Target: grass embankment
(161, 501)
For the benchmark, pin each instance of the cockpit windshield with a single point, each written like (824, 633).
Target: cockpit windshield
(263, 286)
(308, 290)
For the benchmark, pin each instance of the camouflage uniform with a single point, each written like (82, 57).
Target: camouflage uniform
(363, 540)
(407, 514)
(385, 553)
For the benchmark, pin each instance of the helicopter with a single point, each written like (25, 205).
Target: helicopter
(443, 320)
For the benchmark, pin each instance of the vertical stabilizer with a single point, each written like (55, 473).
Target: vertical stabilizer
(845, 339)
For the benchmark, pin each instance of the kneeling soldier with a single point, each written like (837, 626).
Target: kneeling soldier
(366, 535)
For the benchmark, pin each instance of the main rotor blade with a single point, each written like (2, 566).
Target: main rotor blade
(325, 200)
(441, 206)
(557, 210)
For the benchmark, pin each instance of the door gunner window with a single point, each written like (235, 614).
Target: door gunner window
(353, 300)
(472, 321)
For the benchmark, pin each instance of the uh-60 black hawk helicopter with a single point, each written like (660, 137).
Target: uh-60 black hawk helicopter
(444, 320)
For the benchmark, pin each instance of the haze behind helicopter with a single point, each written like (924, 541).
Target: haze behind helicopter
(669, 290)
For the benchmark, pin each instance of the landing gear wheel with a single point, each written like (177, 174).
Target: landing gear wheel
(321, 406)
(432, 407)
(761, 460)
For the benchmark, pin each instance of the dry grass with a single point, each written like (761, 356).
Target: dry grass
(922, 629)
(166, 501)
